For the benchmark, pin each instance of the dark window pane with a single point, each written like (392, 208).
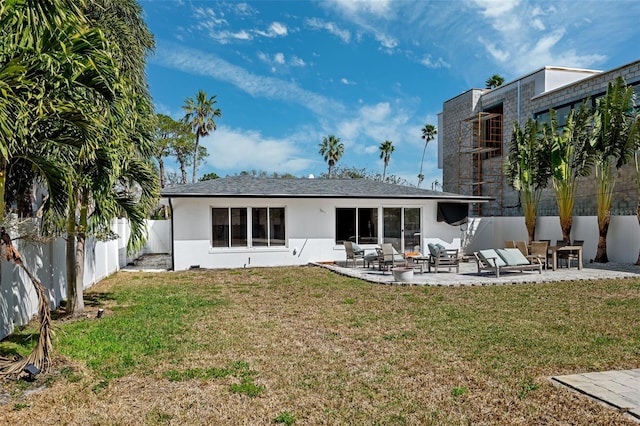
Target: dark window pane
(367, 226)
(411, 229)
(393, 227)
(220, 227)
(239, 227)
(276, 223)
(259, 235)
(345, 225)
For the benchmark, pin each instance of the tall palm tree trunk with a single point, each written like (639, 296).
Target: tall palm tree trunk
(195, 158)
(3, 183)
(603, 229)
(161, 169)
(606, 184)
(79, 255)
(70, 259)
(530, 207)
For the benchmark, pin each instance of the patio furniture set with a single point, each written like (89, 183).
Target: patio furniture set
(386, 258)
(520, 256)
(515, 256)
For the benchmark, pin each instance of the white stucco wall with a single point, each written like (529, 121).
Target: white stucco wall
(310, 231)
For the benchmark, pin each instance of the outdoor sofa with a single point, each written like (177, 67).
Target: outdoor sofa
(507, 259)
(439, 257)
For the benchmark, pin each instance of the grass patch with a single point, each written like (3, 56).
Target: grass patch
(195, 347)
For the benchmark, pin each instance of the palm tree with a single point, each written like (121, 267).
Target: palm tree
(51, 57)
(494, 81)
(200, 114)
(386, 149)
(527, 170)
(428, 134)
(569, 156)
(57, 76)
(118, 178)
(331, 149)
(616, 140)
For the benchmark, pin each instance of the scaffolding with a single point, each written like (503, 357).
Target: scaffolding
(480, 169)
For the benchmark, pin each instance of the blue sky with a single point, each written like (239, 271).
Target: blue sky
(287, 73)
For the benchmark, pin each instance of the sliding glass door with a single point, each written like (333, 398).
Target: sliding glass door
(401, 227)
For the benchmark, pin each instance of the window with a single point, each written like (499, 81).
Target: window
(267, 227)
(359, 225)
(229, 227)
(562, 114)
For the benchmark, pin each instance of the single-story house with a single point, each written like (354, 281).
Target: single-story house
(243, 221)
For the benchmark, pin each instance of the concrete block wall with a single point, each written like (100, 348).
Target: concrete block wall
(521, 100)
(455, 111)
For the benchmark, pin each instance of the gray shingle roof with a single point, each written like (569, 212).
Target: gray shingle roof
(258, 187)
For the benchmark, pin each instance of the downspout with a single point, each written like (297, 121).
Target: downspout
(173, 248)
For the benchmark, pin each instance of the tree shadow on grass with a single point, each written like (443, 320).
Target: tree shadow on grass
(21, 338)
(97, 300)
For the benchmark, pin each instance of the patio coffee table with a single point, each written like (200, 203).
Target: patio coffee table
(419, 260)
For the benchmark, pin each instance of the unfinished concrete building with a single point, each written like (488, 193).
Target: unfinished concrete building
(474, 131)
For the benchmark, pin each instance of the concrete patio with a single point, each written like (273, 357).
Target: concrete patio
(469, 276)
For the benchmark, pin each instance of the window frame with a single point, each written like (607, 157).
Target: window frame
(357, 234)
(248, 235)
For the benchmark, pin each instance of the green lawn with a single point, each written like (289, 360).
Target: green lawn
(305, 346)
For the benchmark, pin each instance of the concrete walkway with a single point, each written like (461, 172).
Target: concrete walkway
(617, 389)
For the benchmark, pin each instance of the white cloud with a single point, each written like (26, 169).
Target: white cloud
(524, 35)
(429, 62)
(347, 82)
(278, 58)
(276, 29)
(330, 27)
(232, 149)
(497, 8)
(197, 62)
(386, 41)
(279, 61)
(379, 8)
(215, 26)
(371, 16)
(297, 62)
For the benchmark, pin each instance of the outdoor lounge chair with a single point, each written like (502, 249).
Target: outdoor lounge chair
(539, 250)
(573, 255)
(440, 256)
(354, 252)
(373, 257)
(391, 258)
(507, 259)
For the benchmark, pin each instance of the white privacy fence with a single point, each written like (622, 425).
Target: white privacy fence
(47, 261)
(623, 238)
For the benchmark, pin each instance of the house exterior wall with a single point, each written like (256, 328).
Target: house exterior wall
(310, 231)
(522, 99)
